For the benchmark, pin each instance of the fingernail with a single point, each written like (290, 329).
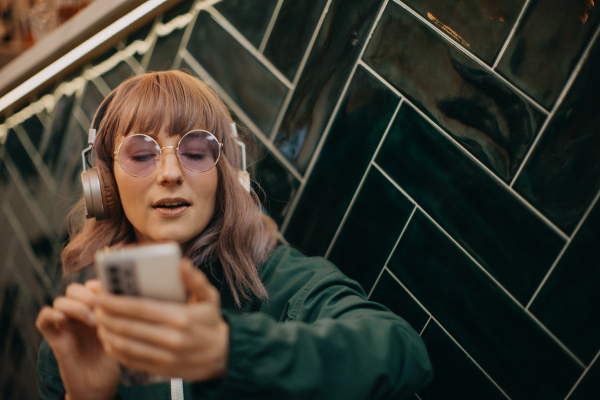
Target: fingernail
(92, 318)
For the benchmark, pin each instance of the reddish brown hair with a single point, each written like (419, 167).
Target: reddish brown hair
(239, 235)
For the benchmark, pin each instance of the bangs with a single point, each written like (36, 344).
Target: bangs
(171, 101)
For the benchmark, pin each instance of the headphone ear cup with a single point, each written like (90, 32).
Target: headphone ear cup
(92, 194)
(109, 202)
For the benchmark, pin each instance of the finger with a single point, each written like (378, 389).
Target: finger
(166, 336)
(49, 320)
(133, 353)
(75, 309)
(198, 284)
(94, 285)
(81, 293)
(149, 310)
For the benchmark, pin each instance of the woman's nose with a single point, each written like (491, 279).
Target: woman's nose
(170, 168)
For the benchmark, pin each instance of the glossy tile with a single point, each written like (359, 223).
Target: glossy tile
(91, 100)
(569, 302)
(333, 55)
(480, 26)
(589, 387)
(248, 82)
(293, 28)
(494, 330)
(118, 74)
(34, 128)
(164, 51)
(56, 135)
(358, 128)
(181, 8)
(562, 176)
(16, 155)
(486, 116)
(547, 45)
(250, 17)
(371, 230)
(73, 143)
(278, 184)
(481, 214)
(389, 293)
(455, 375)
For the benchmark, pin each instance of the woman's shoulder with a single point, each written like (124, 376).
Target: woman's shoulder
(286, 260)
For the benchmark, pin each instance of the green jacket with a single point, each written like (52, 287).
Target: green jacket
(316, 337)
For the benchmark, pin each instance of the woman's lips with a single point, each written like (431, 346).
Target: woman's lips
(172, 212)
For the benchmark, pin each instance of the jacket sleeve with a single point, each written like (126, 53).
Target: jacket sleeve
(332, 344)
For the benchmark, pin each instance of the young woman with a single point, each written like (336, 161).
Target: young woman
(261, 322)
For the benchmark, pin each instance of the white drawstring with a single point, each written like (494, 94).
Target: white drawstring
(176, 389)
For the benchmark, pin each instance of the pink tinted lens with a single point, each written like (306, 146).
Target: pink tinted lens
(199, 151)
(139, 155)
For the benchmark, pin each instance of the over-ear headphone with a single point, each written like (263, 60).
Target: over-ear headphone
(99, 201)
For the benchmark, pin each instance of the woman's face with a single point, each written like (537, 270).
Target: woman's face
(172, 203)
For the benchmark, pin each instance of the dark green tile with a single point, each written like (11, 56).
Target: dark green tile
(389, 293)
(278, 184)
(5, 180)
(481, 26)
(293, 28)
(562, 176)
(181, 8)
(589, 387)
(359, 126)
(569, 302)
(455, 375)
(248, 82)
(332, 57)
(484, 216)
(547, 45)
(62, 114)
(16, 153)
(118, 74)
(487, 117)
(141, 34)
(73, 143)
(371, 230)
(494, 330)
(164, 51)
(250, 17)
(34, 128)
(91, 100)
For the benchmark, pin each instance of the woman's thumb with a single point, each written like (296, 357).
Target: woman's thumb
(197, 284)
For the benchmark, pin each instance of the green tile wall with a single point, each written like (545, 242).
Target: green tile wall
(444, 154)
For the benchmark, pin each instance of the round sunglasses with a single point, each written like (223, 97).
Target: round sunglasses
(198, 150)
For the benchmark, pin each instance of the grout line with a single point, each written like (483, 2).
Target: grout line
(485, 168)
(36, 158)
(402, 233)
(222, 21)
(500, 286)
(288, 97)
(30, 201)
(81, 117)
(558, 102)
(426, 324)
(100, 84)
(375, 284)
(24, 241)
(134, 65)
(360, 185)
(195, 11)
(205, 76)
(48, 129)
(265, 39)
(282, 239)
(146, 57)
(473, 57)
(511, 34)
(332, 117)
(564, 249)
(447, 333)
(582, 376)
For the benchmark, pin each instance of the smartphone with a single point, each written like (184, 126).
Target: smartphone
(147, 271)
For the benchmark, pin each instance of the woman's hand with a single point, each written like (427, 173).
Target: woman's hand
(190, 341)
(69, 326)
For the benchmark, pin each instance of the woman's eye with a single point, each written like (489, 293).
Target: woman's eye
(194, 156)
(142, 158)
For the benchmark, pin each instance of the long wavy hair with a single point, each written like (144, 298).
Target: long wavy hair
(239, 235)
